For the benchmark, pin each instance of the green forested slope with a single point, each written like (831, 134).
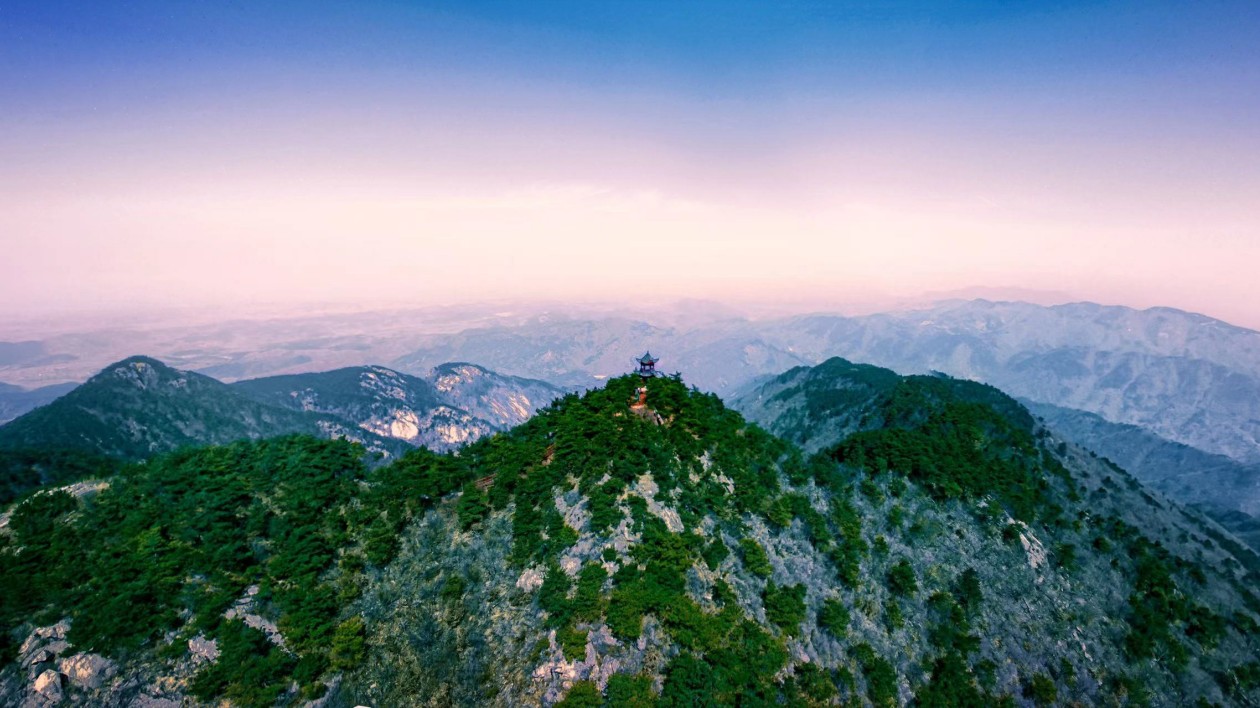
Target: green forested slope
(946, 551)
(140, 407)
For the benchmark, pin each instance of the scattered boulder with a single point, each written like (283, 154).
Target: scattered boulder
(48, 686)
(531, 579)
(56, 631)
(57, 647)
(202, 649)
(89, 671)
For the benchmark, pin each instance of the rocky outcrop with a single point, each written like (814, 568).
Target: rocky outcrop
(48, 690)
(203, 650)
(52, 672)
(244, 610)
(40, 681)
(504, 401)
(88, 671)
(454, 405)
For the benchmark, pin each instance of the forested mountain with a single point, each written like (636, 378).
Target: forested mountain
(140, 406)
(946, 549)
(1186, 377)
(816, 407)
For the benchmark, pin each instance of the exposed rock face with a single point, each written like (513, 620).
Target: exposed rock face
(503, 400)
(89, 671)
(56, 631)
(48, 686)
(202, 649)
(531, 579)
(43, 645)
(243, 610)
(645, 487)
(454, 405)
(51, 673)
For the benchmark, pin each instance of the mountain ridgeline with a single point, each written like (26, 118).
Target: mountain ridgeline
(1185, 377)
(140, 407)
(456, 403)
(14, 400)
(939, 546)
(1182, 377)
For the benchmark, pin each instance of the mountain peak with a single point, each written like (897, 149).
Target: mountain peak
(141, 372)
(139, 362)
(140, 406)
(459, 368)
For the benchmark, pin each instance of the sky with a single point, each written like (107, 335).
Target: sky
(233, 153)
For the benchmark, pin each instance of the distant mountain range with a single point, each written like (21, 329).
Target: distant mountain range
(582, 352)
(15, 400)
(1226, 489)
(1181, 377)
(140, 407)
(1187, 378)
(1181, 471)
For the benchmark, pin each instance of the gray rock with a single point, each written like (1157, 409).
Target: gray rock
(89, 671)
(57, 647)
(48, 686)
(203, 649)
(56, 631)
(145, 701)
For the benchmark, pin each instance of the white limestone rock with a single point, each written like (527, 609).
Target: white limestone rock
(89, 671)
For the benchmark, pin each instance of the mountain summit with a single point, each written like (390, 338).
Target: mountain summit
(140, 406)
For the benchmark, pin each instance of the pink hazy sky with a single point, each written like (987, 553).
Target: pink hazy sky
(246, 177)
